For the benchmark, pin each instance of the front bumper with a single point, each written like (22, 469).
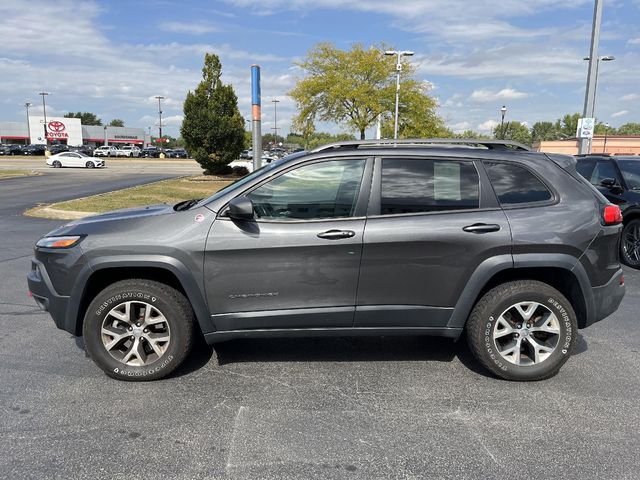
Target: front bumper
(45, 295)
(608, 297)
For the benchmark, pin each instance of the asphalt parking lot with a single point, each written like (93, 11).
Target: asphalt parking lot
(340, 408)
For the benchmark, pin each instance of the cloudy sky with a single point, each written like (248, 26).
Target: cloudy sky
(113, 57)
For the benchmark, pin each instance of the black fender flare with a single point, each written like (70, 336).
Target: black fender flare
(184, 275)
(494, 265)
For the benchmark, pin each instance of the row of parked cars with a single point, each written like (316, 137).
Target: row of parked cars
(103, 151)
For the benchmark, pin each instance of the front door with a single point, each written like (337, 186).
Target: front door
(296, 264)
(431, 226)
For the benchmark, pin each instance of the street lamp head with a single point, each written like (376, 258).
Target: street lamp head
(503, 109)
(28, 104)
(44, 93)
(390, 52)
(608, 58)
(407, 53)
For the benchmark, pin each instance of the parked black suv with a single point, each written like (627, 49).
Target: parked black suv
(423, 237)
(618, 179)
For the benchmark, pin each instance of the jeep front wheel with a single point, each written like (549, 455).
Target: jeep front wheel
(138, 330)
(522, 330)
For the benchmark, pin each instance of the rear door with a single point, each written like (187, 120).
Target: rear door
(431, 222)
(296, 264)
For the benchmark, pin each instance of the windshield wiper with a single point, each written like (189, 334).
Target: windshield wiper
(185, 205)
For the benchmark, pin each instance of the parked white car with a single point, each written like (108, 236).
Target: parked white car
(106, 151)
(128, 151)
(74, 159)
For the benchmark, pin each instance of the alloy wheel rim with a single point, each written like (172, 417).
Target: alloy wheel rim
(135, 333)
(631, 242)
(527, 333)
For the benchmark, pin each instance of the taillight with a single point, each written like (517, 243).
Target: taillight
(611, 215)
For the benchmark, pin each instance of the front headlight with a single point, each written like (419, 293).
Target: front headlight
(59, 242)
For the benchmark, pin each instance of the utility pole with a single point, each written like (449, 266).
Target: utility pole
(606, 130)
(256, 116)
(27, 105)
(160, 98)
(399, 54)
(590, 94)
(503, 111)
(44, 111)
(275, 118)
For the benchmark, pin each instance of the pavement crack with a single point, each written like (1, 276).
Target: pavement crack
(15, 258)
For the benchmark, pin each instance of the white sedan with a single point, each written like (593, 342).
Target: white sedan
(74, 159)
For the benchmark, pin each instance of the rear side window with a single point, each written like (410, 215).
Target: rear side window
(515, 185)
(423, 185)
(585, 167)
(604, 169)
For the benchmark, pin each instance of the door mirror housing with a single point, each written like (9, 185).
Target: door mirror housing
(241, 208)
(612, 184)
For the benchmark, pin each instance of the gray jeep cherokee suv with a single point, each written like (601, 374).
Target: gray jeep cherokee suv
(512, 248)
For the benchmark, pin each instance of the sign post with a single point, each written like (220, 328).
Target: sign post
(256, 116)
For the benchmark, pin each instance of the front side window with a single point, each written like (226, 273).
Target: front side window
(320, 190)
(631, 173)
(515, 185)
(604, 169)
(424, 185)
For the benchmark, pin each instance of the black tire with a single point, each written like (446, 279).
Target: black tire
(486, 313)
(171, 303)
(90, 165)
(57, 164)
(630, 244)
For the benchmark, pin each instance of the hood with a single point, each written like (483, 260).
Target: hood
(126, 213)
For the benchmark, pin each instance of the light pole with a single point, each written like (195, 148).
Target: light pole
(503, 112)
(399, 54)
(606, 130)
(160, 98)
(275, 118)
(27, 105)
(589, 95)
(44, 111)
(606, 58)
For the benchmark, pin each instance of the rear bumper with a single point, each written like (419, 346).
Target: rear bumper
(607, 298)
(45, 295)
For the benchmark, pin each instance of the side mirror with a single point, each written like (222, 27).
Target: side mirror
(241, 208)
(609, 182)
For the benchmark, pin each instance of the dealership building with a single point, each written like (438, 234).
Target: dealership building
(71, 132)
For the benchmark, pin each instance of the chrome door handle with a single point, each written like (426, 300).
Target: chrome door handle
(481, 228)
(336, 234)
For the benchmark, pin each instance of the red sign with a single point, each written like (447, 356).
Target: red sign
(56, 130)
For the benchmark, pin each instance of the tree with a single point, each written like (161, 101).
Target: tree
(602, 129)
(469, 134)
(116, 122)
(541, 131)
(567, 126)
(416, 114)
(629, 129)
(213, 129)
(354, 87)
(86, 118)
(516, 131)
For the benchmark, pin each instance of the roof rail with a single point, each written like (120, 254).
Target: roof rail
(470, 142)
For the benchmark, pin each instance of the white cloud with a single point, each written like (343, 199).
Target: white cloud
(487, 126)
(630, 97)
(489, 96)
(193, 28)
(460, 126)
(621, 113)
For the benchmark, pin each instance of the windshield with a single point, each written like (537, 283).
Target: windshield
(631, 173)
(248, 178)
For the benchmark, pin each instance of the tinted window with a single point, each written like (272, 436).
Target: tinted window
(413, 186)
(321, 190)
(516, 185)
(585, 167)
(604, 169)
(631, 173)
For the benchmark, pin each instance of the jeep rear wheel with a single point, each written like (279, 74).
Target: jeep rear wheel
(138, 330)
(522, 330)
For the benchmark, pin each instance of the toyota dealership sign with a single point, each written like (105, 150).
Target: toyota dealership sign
(64, 130)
